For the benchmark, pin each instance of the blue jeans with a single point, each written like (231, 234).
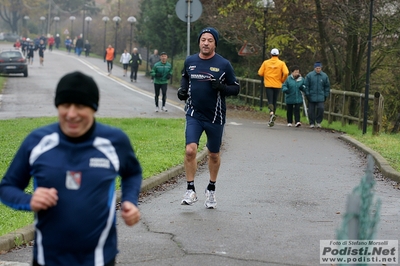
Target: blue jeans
(315, 112)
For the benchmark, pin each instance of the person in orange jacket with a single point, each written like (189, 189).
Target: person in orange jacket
(275, 73)
(109, 56)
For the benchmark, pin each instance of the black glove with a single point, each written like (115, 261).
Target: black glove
(303, 87)
(182, 94)
(325, 98)
(217, 85)
(168, 76)
(158, 75)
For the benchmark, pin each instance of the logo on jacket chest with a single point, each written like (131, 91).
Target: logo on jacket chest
(73, 180)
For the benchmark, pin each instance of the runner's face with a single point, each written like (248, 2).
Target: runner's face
(207, 44)
(164, 58)
(75, 119)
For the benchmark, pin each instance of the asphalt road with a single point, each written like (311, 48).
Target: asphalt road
(280, 191)
(34, 96)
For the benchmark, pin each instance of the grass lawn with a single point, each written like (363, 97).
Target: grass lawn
(159, 145)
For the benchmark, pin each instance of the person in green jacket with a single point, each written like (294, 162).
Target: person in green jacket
(292, 88)
(317, 91)
(161, 72)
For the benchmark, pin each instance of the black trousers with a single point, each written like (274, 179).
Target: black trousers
(109, 65)
(163, 88)
(111, 263)
(293, 109)
(316, 112)
(272, 97)
(134, 70)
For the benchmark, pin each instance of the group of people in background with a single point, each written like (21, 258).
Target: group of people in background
(29, 47)
(77, 45)
(160, 70)
(315, 87)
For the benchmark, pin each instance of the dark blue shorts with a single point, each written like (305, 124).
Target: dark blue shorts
(194, 129)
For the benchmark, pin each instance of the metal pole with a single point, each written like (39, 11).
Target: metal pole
(105, 33)
(188, 16)
(130, 46)
(48, 18)
(116, 36)
(263, 57)
(83, 20)
(365, 120)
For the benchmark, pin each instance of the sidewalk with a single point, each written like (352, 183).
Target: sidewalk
(280, 191)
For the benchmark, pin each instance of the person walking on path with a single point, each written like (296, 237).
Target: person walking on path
(125, 57)
(74, 164)
(154, 58)
(41, 49)
(68, 44)
(292, 88)
(31, 51)
(207, 78)
(109, 56)
(50, 42)
(79, 45)
(135, 62)
(57, 40)
(161, 73)
(317, 91)
(87, 48)
(275, 73)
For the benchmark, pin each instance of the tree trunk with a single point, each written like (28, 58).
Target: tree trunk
(396, 125)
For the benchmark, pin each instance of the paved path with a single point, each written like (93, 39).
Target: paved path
(280, 191)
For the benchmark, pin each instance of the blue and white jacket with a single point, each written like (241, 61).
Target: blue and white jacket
(205, 103)
(80, 229)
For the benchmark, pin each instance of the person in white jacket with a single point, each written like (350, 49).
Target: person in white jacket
(125, 57)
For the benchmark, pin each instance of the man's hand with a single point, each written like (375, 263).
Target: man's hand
(217, 85)
(182, 94)
(130, 213)
(168, 76)
(158, 75)
(43, 198)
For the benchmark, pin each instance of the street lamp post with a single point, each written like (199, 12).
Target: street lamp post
(105, 19)
(265, 4)
(42, 18)
(26, 18)
(170, 17)
(87, 19)
(365, 119)
(131, 20)
(116, 19)
(72, 18)
(56, 19)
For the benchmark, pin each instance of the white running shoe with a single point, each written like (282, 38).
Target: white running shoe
(189, 198)
(157, 109)
(272, 119)
(298, 124)
(312, 126)
(318, 125)
(164, 109)
(211, 202)
(289, 125)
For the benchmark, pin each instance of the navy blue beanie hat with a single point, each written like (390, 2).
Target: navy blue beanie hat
(317, 64)
(78, 88)
(213, 31)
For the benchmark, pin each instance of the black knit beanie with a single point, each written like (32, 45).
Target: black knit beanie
(78, 88)
(213, 32)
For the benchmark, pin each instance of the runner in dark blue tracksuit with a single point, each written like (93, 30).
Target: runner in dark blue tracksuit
(207, 78)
